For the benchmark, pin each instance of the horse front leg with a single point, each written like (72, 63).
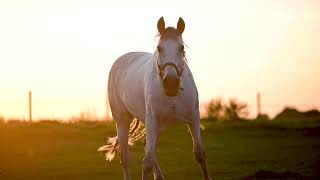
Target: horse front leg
(198, 150)
(157, 174)
(149, 160)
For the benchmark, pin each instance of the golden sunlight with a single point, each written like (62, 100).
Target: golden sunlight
(63, 50)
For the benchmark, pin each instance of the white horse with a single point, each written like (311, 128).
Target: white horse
(157, 89)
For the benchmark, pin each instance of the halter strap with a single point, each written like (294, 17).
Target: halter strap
(161, 68)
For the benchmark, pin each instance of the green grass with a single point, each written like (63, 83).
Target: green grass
(51, 150)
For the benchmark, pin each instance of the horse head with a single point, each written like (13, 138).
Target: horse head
(171, 56)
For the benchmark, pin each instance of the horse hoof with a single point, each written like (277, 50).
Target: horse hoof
(159, 178)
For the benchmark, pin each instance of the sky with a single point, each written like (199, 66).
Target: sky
(62, 50)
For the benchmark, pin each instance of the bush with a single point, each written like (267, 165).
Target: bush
(263, 117)
(233, 110)
(294, 114)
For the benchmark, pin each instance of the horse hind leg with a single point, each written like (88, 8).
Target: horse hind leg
(123, 126)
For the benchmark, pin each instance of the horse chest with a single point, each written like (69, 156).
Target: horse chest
(171, 111)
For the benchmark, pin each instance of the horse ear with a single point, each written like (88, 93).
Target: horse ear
(180, 25)
(161, 25)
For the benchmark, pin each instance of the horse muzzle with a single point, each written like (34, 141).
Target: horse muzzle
(170, 76)
(171, 84)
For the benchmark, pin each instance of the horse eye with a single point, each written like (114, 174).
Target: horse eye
(159, 48)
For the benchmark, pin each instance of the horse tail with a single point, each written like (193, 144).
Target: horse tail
(136, 132)
(110, 147)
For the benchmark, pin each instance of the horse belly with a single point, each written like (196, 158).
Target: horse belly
(133, 98)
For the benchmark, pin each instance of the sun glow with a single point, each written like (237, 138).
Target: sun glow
(63, 50)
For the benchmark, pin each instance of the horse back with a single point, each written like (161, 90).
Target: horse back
(126, 83)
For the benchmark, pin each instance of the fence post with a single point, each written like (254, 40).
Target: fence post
(30, 107)
(258, 104)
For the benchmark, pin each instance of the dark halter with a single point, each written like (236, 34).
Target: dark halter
(161, 68)
(170, 64)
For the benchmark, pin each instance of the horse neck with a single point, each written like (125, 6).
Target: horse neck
(155, 61)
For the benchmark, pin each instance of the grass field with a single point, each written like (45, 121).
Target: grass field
(52, 150)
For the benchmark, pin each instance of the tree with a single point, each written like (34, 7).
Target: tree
(236, 110)
(215, 109)
(233, 110)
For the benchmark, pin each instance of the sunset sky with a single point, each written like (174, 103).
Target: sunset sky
(62, 50)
